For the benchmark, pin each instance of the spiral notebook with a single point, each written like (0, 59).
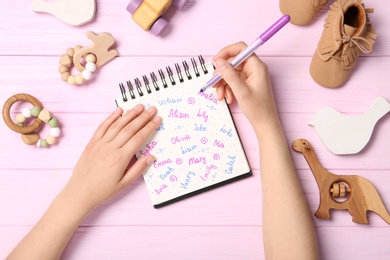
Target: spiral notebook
(197, 146)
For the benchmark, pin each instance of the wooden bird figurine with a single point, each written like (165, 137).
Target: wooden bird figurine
(362, 195)
(348, 134)
(72, 12)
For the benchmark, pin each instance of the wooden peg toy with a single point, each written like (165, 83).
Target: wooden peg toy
(348, 134)
(147, 13)
(360, 195)
(72, 12)
(95, 55)
(102, 42)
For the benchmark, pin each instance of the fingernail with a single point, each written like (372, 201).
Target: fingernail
(221, 64)
(150, 160)
(118, 110)
(157, 119)
(138, 107)
(151, 109)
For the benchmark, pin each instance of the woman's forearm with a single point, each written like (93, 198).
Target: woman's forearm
(288, 228)
(49, 236)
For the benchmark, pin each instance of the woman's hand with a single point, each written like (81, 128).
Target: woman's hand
(101, 171)
(249, 83)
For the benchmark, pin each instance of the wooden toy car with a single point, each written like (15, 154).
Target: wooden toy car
(147, 13)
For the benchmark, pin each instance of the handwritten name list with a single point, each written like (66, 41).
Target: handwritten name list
(195, 147)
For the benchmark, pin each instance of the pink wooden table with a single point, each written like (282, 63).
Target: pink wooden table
(225, 223)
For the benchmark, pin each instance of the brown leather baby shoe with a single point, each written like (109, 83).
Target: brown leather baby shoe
(347, 34)
(301, 12)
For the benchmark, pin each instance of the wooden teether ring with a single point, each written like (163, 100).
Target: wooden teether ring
(7, 117)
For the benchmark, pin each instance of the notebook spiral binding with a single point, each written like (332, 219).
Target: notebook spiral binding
(136, 88)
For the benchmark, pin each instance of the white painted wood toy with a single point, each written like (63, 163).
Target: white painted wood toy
(348, 134)
(357, 193)
(72, 12)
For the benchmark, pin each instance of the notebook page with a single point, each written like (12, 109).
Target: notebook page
(196, 146)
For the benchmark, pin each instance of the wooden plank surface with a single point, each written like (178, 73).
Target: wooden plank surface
(221, 224)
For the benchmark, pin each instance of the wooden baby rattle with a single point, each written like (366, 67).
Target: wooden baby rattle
(28, 132)
(95, 55)
(361, 196)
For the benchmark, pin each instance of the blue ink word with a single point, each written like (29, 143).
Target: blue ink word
(185, 150)
(160, 127)
(167, 101)
(230, 163)
(167, 173)
(200, 128)
(228, 132)
(188, 180)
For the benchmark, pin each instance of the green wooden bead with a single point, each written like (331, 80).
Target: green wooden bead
(44, 143)
(35, 111)
(20, 124)
(53, 122)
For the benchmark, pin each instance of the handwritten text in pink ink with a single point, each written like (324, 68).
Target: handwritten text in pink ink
(208, 171)
(161, 189)
(177, 114)
(195, 160)
(209, 97)
(178, 139)
(149, 148)
(219, 144)
(158, 164)
(203, 115)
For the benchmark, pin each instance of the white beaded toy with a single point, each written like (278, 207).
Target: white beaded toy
(66, 62)
(46, 117)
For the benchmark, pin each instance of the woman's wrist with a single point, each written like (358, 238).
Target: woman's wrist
(73, 208)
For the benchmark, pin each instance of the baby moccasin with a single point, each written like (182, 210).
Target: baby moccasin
(347, 34)
(301, 12)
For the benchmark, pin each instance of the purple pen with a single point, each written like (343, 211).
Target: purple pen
(265, 36)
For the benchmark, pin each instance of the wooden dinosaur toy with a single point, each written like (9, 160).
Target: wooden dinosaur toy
(361, 195)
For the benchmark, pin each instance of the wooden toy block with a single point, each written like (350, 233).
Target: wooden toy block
(45, 115)
(102, 42)
(147, 13)
(361, 195)
(160, 6)
(348, 134)
(145, 16)
(72, 12)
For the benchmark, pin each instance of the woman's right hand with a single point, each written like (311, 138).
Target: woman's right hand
(249, 83)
